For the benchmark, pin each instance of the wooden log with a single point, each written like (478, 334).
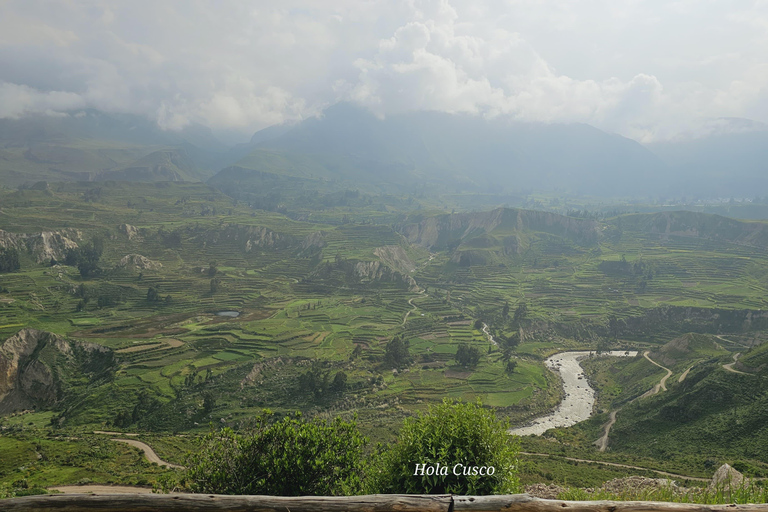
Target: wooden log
(219, 503)
(526, 503)
(370, 503)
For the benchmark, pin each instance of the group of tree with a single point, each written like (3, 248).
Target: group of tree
(9, 259)
(397, 354)
(294, 457)
(467, 356)
(86, 257)
(153, 295)
(317, 381)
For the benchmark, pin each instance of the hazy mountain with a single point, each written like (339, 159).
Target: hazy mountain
(86, 144)
(731, 161)
(455, 153)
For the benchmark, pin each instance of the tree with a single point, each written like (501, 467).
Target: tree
(288, 458)
(9, 260)
(521, 313)
(339, 383)
(86, 258)
(467, 356)
(397, 354)
(459, 436)
(153, 295)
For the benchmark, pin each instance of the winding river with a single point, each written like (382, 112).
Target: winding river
(579, 395)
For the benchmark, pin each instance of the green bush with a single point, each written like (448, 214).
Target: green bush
(288, 458)
(450, 438)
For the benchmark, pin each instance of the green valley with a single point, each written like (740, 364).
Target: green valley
(165, 308)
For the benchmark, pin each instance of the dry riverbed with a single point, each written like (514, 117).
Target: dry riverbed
(579, 396)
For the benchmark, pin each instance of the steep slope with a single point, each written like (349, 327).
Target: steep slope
(712, 409)
(38, 369)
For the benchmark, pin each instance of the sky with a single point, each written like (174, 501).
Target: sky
(650, 70)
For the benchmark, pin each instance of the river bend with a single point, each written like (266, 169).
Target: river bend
(579, 397)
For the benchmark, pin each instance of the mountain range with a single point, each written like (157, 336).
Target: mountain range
(418, 152)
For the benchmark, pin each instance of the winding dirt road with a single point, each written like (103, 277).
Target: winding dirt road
(602, 443)
(662, 385)
(410, 301)
(149, 452)
(730, 367)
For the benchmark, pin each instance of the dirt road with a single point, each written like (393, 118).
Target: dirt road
(602, 443)
(617, 465)
(149, 452)
(662, 385)
(730, 367)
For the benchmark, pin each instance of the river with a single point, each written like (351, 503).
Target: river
(579, 395)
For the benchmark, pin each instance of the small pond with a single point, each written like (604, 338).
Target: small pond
(231, 314)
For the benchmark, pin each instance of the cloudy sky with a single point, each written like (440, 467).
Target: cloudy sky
(647, 69)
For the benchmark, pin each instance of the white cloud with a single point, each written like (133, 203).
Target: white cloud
(646, 69)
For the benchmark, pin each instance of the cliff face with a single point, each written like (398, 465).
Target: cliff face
(441, 231)
(42, 246)
(35, 367)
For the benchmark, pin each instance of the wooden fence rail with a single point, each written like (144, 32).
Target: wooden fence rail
(371, 503)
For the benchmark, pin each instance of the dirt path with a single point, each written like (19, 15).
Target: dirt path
(602, 443)
(101, 489)
(410, 301)
(662, 385)
(149, 452)
(730, 367)
(617, 465)
(684, 375)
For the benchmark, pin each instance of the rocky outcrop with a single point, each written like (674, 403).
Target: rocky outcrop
(34, 365)
(356, 273)
(43, 246)
(132, 232)
(396, 258)
(376, 271)
(727, 479)
(314, 240)
(137, 261)
(249, 238)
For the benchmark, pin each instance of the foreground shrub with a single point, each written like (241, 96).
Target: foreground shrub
(450, 438)
(289, 458)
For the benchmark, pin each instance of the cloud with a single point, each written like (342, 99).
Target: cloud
(647, 70)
